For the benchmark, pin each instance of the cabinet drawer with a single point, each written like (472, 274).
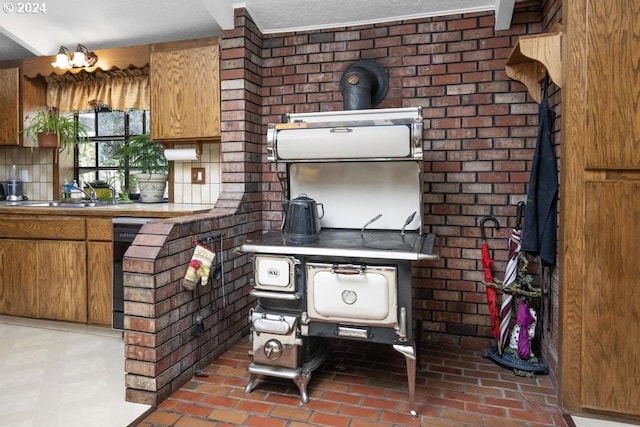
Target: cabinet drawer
(43, 228)
(99, 229)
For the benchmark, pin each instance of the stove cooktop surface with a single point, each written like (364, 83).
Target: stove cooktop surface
(383, 244)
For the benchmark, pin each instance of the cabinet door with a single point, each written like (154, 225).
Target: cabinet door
(611, 299)
(185, 92)
(9, 106)
(61, 283)
(18, 278)
(100, 282)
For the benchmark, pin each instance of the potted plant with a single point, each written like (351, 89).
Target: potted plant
(54, 130)
(145, 156)
(102, 189)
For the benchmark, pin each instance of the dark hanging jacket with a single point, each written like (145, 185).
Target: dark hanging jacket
(539, 230)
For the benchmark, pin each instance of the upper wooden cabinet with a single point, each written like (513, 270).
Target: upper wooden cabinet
(185, 90)
(9, 106)
(20, 97)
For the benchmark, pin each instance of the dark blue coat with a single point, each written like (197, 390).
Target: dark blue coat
(539, 230)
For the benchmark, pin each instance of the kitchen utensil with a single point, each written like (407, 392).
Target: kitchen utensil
(407, 222)
(302, 216)
(371, 221)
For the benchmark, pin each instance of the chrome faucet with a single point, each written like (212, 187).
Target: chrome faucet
(92, 192)
(114, 196)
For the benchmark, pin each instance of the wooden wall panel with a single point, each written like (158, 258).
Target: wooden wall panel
(611, 312)
(572, 202)
(613, 86)
(600, 196)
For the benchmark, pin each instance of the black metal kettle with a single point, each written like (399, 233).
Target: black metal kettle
(302, 216)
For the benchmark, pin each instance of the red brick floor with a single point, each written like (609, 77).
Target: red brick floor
(364, 384)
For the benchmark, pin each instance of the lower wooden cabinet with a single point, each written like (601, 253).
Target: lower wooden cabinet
(18, 274)
(43, 279)
(56, 269)
(100, 282)
(61, 282)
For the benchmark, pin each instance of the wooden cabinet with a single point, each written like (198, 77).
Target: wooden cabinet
(43, 279)
(20, 97)
(61, 278)
(47, 277)
(185, 90)
(600, 204)
(18, 275)
(99, 282)
(9, 106)
(99, 271)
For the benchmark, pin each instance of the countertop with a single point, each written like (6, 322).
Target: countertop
(382, 244)
(154, 210)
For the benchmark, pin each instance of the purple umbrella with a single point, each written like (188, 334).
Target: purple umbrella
(524, 318)
(510, 275)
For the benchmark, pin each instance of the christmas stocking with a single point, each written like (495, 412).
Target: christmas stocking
(199, 267)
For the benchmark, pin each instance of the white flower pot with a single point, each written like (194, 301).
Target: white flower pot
(152, 186)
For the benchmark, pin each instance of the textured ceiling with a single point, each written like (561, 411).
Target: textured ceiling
(101, 24)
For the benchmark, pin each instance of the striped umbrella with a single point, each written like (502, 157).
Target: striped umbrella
(510, 275)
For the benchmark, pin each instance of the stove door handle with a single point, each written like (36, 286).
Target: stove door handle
(275, 295)
(348, 269)
(340, 129)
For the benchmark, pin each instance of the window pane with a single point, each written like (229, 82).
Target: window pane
(105, 153)
(87, 154)
(111, 123)
(87, 118)
(136, 122)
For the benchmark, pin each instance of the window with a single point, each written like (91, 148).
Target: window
(107, 130)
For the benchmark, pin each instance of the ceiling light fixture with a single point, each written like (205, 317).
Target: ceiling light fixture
(81, 58)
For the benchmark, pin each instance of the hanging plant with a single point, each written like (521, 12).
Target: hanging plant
(54, 130)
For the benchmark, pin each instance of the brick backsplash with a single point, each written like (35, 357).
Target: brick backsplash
(480, 131)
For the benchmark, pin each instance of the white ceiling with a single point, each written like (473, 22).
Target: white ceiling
(102, 24)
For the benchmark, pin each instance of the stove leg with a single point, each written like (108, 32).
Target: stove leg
(302, 380)
(253, 382)
(410, 356)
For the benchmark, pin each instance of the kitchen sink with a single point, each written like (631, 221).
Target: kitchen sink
(63, 205)
(56, 204)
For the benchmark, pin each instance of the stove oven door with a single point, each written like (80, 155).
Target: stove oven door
(352, 294)
(274, 273)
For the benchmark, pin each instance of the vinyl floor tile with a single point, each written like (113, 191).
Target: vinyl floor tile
(57, 374)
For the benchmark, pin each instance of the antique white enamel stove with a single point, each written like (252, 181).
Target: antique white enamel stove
(352, 279)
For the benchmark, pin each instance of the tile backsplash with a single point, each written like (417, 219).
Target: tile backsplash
(186, 192)
(36, 169)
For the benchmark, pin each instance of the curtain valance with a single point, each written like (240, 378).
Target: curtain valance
(119, 89)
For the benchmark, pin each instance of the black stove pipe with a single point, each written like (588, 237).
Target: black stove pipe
(363, 85)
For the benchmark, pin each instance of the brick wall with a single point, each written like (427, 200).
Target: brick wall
(162, 349)
(480, 131)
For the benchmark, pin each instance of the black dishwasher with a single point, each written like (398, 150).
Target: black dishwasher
(125, 230)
